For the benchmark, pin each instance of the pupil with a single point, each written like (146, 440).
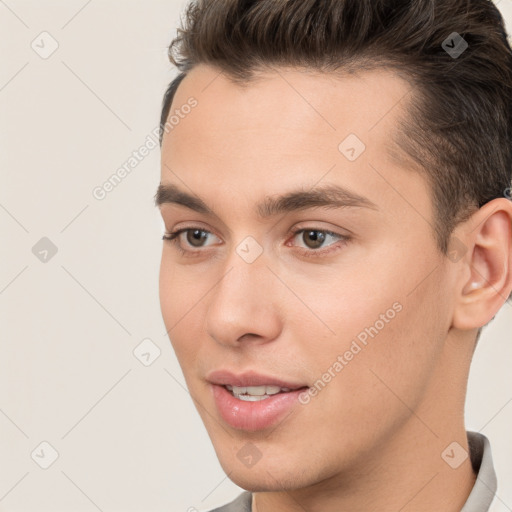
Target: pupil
(317, 237)
(196, 236)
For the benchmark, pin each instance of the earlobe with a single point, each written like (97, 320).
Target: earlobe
(486, 279)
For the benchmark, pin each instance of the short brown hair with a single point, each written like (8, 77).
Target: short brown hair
(458, 127)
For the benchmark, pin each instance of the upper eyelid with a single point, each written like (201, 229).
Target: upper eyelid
(305, 224)
(197, 228)
(290, 232)
(170, 217)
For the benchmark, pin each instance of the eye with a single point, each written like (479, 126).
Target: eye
(314, 240)
(195, 237)
(186, 240)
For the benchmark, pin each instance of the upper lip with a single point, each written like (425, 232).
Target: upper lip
(249, 378)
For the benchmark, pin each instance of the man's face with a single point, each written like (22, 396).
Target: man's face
(363, 285)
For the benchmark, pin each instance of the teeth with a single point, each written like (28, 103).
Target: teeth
(273, 390)
(251, 398)
(255, 393)
(256, 390)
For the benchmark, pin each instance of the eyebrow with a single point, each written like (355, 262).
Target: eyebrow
(328, 196)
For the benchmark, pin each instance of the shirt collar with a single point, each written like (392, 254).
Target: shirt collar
(484, 490)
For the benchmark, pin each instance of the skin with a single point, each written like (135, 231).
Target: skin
(372, 439)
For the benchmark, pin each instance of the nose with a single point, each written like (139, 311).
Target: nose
(244, 305)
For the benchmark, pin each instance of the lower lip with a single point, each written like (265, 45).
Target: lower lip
(253, 415)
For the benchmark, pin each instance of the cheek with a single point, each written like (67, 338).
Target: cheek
(338, 303)
(181, 289)
(386, 331)
(180, 302)
(167, 292)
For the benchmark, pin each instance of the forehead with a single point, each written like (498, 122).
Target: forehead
(287, 111)
(288, 127)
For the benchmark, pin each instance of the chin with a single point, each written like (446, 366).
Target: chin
(267, 478)
(264, 483)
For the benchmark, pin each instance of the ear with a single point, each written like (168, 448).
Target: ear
(485, 279)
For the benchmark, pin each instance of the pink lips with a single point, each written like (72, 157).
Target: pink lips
(249, 378)
(256, 415)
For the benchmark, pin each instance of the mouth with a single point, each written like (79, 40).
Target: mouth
(258, 393)
(252, 380)
(251, 401)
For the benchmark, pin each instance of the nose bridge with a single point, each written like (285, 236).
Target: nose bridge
(246, 269)
(242, 302)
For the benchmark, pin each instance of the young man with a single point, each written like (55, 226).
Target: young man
(335, 182)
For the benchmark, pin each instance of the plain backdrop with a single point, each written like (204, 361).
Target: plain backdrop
(81, 84)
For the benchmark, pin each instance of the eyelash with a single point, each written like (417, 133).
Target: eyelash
(173, 237)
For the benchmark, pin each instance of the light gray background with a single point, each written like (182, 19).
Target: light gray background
(127, 435)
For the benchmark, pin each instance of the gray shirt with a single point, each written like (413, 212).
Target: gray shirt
(479, 500)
